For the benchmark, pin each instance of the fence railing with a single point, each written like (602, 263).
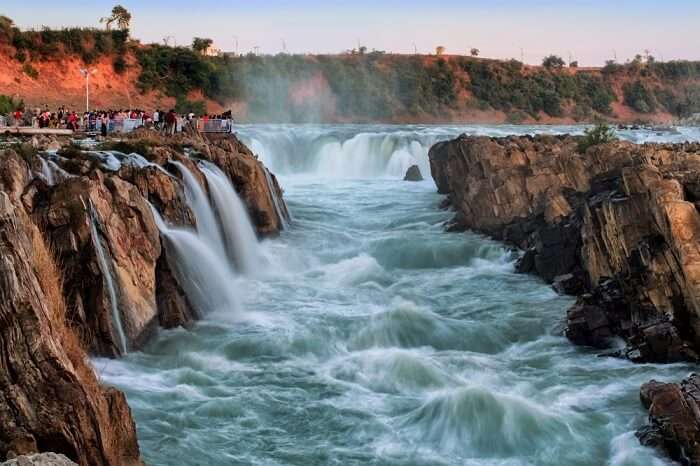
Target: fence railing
(127, 125)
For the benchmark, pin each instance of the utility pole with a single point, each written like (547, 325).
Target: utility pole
(284, 46)
(415, 49)
(522, 55)
(87, 72)
(235, 38)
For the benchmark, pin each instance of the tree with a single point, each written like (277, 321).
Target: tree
(201, 44)
(474, 52)
(439, 50)
(362, 50)
(553, 61)
(120, 15)
(573, 64)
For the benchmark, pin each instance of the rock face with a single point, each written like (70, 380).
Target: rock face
(83, 269)
(618, 227)
(674, 417)
(413, 174)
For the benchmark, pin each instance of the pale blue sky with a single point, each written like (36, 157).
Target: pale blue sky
(591, 30)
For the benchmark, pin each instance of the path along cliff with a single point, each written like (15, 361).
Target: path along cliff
(618, 226)
(84, 271)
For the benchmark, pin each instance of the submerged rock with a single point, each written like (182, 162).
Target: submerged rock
(413, 174)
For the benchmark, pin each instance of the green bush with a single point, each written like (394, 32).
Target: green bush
(9, 105)
(638, 96)
(30, 71)
(601, 133)
(184, 106)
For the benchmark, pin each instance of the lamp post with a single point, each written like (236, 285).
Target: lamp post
(87, 72)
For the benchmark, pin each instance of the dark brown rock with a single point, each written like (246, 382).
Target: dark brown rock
(674, 418)
(413, 174)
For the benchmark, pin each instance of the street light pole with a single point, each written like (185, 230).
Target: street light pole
(87, 72)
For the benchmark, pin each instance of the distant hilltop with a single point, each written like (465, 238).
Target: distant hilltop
(44, 68)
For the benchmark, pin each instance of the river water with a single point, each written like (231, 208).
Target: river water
(367, 335)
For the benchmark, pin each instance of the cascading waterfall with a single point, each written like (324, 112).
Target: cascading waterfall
(206, 276)
(241, 242)
(207, 259)
(207, 226)
(380, 338)
(281, 214)
(47, 172)
(109, 280)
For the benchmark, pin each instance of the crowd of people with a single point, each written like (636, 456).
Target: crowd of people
(106, 121)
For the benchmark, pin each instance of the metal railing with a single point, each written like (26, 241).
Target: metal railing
(214, 126)
(127, 125)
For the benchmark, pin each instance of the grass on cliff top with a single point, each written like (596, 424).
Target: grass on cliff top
(51, 281)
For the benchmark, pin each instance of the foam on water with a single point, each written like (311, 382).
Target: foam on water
(378, 338)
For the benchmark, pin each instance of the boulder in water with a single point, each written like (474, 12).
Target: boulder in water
(413, 174)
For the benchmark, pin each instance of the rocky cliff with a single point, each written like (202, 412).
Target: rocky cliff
(84, 271)
(617, 226)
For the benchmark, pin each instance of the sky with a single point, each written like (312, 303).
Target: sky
(589, 31)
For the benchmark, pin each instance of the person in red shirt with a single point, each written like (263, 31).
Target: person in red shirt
(18, 116)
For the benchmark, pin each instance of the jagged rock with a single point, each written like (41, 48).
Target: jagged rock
(674, 416)
(621, 210)
(413, 174)
(50, 400)
(40, 459)
(619, 227)
(99, 224)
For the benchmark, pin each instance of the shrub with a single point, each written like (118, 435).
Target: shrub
(9, 105)
(30, 71)
(119, 64)
(601, 133)
(638, 96)
(553, 61)
(183, 106)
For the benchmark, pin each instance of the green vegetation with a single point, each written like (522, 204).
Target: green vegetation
(601, 133)
(30, 71)
(200, 44)
(367, 86)
(553, 61)
(504, 86)
(9, 105)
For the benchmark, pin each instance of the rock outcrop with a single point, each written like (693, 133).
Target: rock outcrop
(413, 174)
(674, 419)
(617, 226)
(92, 213)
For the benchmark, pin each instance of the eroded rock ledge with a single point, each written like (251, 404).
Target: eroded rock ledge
(618, 227)
(58, 213)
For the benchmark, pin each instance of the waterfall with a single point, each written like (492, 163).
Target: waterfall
(107, 274)
(344, 152)
(47, 172)
(207, 226)
(241, 242)
(205, 275)
(281, 214)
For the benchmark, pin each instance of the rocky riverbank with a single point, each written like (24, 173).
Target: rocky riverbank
(85, 272)
(617, 226)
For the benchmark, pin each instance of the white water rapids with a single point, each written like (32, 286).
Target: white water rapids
(369, 335)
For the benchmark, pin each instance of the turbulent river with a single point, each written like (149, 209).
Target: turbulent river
(368, 335)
